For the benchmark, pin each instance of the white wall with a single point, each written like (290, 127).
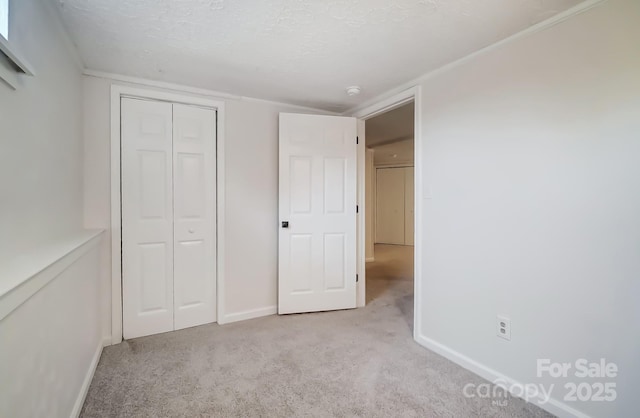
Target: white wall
(251, 182)
(41, 136)
(251, 264)
(50, 340)
(532, 155)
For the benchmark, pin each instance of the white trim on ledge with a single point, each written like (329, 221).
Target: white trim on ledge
(29, 273)
(7, 75)
(9, 51)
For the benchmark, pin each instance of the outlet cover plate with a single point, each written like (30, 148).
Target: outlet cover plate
(503, 327)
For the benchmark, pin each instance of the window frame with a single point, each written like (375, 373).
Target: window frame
(12, 63)
(4, 19)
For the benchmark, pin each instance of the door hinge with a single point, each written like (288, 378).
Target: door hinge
(357, 278)
(357, 140)
(357, 208)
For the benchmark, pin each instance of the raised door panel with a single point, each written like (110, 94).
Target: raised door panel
(194, 183)
(317, 251)
(147, 217)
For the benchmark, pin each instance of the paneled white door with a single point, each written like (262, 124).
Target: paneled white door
(168, 216)
(194, 228)
(317, 208)
(147, 217)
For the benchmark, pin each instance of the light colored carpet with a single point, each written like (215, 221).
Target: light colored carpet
(360, 362)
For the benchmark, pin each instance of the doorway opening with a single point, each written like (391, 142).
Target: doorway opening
(390, 207)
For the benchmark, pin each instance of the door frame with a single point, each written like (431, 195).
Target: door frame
(117, 92)
(383, 106)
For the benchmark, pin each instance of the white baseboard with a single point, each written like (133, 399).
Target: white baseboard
(250, 314)
(370, 259)
(554, 406)
(77, 407)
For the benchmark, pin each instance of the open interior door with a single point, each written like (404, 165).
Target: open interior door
(317, 208)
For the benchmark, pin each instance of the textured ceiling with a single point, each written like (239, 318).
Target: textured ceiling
(391, 126)
(298, 51)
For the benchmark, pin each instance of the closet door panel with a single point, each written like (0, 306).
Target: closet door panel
(194, 168)
(147, 217)
(390, 206)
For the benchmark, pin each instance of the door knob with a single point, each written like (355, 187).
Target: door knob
(285, 224)
(191, 231)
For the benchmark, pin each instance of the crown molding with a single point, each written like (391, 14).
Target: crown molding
(160, 84)
(545, 24)
(181, 88)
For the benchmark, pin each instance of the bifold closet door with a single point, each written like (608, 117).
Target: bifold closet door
(147, 217)
(394, 205)
(168, 216)
(194, 168)
(390, 206)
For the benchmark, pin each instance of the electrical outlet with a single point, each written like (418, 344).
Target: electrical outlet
(503, 329)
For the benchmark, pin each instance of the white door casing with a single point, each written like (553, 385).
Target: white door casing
(194, 168)
(317, 197)
(147, 217)
(422, 191)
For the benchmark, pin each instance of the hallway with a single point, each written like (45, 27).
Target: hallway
(391, 274)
